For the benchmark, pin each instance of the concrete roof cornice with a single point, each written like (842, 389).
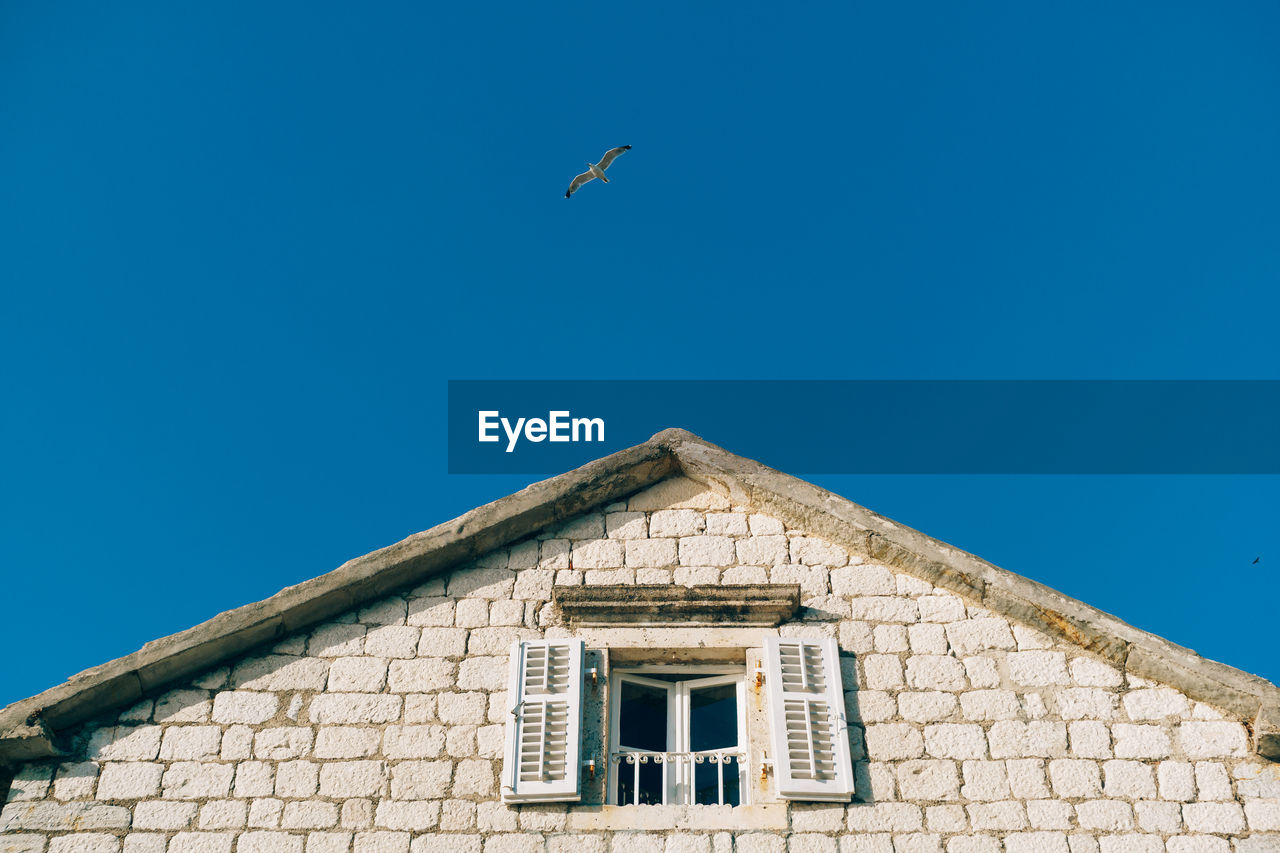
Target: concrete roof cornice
(29, 728)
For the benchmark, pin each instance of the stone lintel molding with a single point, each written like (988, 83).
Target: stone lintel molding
(765, 605)
(28, 728)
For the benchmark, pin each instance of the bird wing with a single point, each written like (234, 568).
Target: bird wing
(579, 181)
(610, 155)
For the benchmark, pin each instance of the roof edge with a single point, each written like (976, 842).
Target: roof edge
(27, 727)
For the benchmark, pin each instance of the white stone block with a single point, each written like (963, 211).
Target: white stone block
(955, 740)
(124, 743)
(1210, 818)
(392, 641)
(985, 781)
(297, 779)
(928, 780)
(885, 817)
(813, 580)
(979, 634)
(260, 841)
(885, 608)
(1129, 780)
(449, 642)
(882, 672)
(890, 638)
(471, 613)
(1155, 703)
(1158, 816)
(809, 551)
(223, 814)
(243, 706)
(588, 526)
(926, 707)
(1263, 815)
(129, 780)
(727, 523)
(183, 706)
(650, 553)
(1213, 740)
(762, 551)
(1106, 815)
(863, 580)
(254, 779)
(1074, 778)
(193, 780)
(352, 778)
(1086, 703)
(990, 705)
(1139, 741)
(706, 551)
(279, 744)
(1091, 672)
(362, 708)
(934, 672)
(1038, 668)
(309, 814)
(1036, 842)
(347, 742)
(1027, 779)
(892, 741)
(534, 584)
(1005, 816)
(982, 671)
(940, 607)
(626, 525)
(435, 611)
(75, 780)
(927, 639)
(1089, 739)
(481, 583)
(1036, 739)
(676, 523)
(1176, 780)
(163, 815)
(1050, 814)
(423, 675)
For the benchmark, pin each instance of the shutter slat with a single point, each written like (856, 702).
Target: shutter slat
(544, 728)
(810, 732)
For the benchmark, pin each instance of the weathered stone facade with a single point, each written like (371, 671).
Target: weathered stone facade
(382, 730)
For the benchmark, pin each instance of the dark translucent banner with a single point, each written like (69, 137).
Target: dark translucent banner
(878, 426)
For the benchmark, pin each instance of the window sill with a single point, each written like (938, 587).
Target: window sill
(765, 817)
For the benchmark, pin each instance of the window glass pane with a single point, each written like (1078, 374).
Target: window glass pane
(706, 783)
(713, 717)
(642, 717)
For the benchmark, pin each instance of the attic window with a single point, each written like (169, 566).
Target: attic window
(678, 736)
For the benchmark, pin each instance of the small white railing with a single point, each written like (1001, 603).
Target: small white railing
(682, 764)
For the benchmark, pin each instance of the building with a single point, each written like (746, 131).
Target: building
(669, 650)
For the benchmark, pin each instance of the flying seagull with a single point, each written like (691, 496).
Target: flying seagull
(597, 170)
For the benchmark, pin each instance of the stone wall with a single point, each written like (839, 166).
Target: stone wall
(383, 730)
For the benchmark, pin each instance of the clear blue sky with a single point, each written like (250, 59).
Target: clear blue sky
(244, 246)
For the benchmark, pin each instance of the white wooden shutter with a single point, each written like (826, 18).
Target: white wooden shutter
(544, 725)
(806, 711)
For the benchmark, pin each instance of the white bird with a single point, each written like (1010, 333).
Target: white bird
(596, 170)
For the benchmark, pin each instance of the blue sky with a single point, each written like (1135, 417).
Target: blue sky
(245, 246)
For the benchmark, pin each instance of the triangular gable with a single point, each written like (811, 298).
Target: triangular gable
(28, 727)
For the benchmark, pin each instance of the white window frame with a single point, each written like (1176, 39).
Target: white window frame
(679, 781)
